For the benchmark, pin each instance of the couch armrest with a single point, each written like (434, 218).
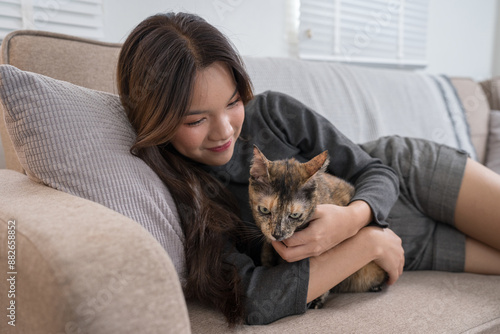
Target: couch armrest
(81, 267)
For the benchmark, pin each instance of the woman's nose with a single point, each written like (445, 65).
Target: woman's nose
(222, 129)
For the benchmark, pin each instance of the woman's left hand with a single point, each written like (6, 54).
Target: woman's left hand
(330, 225)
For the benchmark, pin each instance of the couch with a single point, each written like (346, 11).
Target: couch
(86, 265)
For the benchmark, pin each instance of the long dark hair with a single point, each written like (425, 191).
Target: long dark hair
(156, 73)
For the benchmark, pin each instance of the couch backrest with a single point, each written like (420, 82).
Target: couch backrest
(92, 64)
(84, 62)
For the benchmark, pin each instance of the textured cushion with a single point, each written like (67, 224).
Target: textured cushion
(2, 155)
(491, 90)
(477, 109)
(83, 62)
(77, 140)
(367, 103)
(493, 150)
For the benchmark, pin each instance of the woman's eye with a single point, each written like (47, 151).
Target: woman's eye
(296, 215)
(234, 103)
(195, 122)
(264, 210)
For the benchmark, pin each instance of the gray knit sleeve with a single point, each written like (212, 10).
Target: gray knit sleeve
(298, 131)
(271, 292)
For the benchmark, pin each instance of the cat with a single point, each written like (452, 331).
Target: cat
(283, 195)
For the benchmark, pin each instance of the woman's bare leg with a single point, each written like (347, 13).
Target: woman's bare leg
(477, 213)
(481, 258)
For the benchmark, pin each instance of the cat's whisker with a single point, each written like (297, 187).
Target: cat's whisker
(248, 234)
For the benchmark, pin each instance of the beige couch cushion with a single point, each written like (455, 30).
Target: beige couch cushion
(477, 111)
(419, 302)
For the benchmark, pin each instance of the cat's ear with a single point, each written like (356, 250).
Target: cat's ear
(317, 164)
(260, 164)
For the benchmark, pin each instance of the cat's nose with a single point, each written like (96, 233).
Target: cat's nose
(278, 235)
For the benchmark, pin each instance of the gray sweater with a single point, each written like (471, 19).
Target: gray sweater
(282, 128)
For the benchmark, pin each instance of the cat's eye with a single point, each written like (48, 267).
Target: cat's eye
(295, 215)
(264, 210)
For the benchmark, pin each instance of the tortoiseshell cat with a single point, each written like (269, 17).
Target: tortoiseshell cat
(283, 195)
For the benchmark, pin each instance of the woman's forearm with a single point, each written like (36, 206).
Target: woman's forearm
(333, 266)
(363, 214)
(371, 243)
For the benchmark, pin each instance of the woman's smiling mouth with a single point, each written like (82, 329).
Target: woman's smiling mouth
(221, 148)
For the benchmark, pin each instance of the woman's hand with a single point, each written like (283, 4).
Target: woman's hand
(329, 226)
(388, 250)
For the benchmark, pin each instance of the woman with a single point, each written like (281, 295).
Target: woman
(190, 101)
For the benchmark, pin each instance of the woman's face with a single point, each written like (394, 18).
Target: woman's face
(213, 122)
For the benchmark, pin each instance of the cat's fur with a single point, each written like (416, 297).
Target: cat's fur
(283, 195)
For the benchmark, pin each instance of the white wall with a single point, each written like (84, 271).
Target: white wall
(496, 50)
(461, 33)
(461, 37)
(256, 27)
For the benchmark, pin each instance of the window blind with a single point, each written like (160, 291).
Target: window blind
(82, 18)
(386, 32)
(10, 16)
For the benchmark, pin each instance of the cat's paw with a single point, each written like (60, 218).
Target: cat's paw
(318, 302)
(376, 288)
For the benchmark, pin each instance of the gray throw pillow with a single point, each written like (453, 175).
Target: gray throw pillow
(493, 148)
(77, 140)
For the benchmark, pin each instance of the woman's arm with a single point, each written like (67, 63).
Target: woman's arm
(276, 292)
(371, 244)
